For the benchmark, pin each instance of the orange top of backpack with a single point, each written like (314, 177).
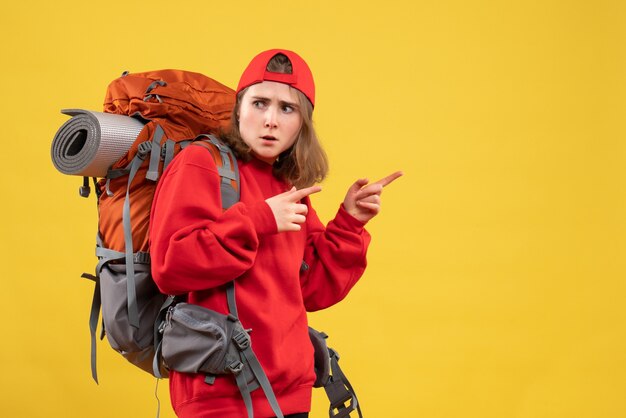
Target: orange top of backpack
(184, 105)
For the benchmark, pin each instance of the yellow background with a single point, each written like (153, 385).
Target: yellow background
(496, 285)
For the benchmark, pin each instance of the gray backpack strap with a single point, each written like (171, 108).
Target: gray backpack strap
(169, 152)
(226, 170)
(155, 154)
(159, 324)
(104, 256)
(93, 321)
(248, 372)
(169, 148)
(230, 196)
(250, 359)
(133, 314)
(245, 393)
(261, 377)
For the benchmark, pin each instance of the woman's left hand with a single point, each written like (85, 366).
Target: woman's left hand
(363, 200)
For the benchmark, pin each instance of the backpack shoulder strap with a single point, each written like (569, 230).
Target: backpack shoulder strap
(226, 166)
(230, 192)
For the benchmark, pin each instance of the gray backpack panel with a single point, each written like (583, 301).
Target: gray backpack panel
(135, 344)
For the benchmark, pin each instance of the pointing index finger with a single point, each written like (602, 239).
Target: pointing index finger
(387, 180)
(302, 193)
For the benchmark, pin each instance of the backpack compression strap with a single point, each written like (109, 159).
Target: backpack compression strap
(154, 149)
(133, 314)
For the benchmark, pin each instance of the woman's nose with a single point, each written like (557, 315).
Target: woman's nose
(270, 118)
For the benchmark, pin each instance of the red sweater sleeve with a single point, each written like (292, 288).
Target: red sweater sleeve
(194, 244)
(335, 257)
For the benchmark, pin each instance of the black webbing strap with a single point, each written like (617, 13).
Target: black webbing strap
(339, 391)
(230, 296)
(93, 321)
(84, 190)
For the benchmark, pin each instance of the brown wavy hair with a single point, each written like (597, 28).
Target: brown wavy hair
(302, 165)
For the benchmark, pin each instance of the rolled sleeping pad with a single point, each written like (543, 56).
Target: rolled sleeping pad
(90, 142)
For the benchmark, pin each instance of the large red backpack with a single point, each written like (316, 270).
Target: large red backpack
(176, 107)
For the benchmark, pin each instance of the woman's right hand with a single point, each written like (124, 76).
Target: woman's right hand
(287, 210)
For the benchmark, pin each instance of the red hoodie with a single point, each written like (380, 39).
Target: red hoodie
(196, 248)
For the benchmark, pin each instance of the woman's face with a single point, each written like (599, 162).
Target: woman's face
(269, 119)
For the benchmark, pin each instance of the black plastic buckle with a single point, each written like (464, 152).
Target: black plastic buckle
(141, 258)
(342, 402)
(144, 149)
(235, 367)
(242, 339)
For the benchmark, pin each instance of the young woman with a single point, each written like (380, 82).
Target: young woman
(284, 261)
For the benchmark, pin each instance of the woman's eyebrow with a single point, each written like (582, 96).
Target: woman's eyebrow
(281, 102)
(286, 103)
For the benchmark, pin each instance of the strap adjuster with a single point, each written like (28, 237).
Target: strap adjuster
(141, 258)
(235, 367)
(143, 149)
(242, 339)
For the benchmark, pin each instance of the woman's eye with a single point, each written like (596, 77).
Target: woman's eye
(288, 109)
(259, 104)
